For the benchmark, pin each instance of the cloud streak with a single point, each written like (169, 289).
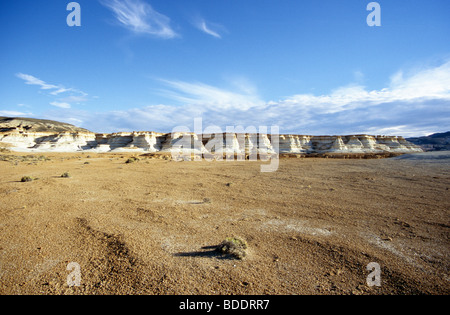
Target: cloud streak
(61, 104)
(31, 80)
(201, 25)
(140, 18)
(64, 102)
(12, 113)
(209, 97)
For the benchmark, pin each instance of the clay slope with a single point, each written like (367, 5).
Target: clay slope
(36, 125)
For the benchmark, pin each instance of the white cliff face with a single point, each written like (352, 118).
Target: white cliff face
(149, 142)
(244, 144)
(338, 145)
(44, 141)
(369, 142)
(289, 144)
(265, 145)
(321, 144)
(21, 140)
(354, 145)
(185, 143)
(409, 146)
(182, 143)
(397, 144)
(295, 144)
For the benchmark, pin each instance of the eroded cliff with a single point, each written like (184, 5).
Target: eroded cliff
(48, 136)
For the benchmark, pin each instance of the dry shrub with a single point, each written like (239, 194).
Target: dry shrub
(234, 247)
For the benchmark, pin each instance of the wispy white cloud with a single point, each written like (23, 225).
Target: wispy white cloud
(31, 80)
(76, 96)
(202, 26)
(207, 96)
(139, 17)
(12, 113)
(61, 104)
(74, 99)
(209, 28)
(62, 90)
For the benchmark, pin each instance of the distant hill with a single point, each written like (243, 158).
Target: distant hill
(434, 142)
(36, 125)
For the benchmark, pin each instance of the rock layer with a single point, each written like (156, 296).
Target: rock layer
(30, 135)
(152, 142)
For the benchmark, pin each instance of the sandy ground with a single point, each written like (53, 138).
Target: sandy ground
(150, 227)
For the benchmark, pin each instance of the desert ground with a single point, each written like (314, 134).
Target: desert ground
(151, 227)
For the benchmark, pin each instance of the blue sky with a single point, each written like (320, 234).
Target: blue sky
(307, 66)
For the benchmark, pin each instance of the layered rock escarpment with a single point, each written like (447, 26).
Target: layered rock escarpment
(48, 137)
(153, 142)
(345, 144)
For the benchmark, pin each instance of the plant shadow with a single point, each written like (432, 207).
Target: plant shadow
(206, 252)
